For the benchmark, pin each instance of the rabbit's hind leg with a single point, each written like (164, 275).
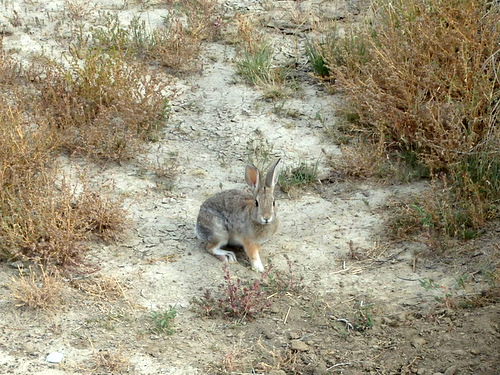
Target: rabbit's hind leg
(224, 255)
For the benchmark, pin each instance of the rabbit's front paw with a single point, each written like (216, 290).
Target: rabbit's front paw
(257, 266)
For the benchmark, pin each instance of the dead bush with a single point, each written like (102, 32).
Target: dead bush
(102, 105)
(37, 290)
(41, 217)
(425, 75)
(424, 79)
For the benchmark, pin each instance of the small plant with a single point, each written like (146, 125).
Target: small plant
(35, 290)
(255, 64)
(364, 316)
(298, 176)
(239, 300)
(163, 321)
(317, 60)
(260, 151)
(256, 67)
(176, 44)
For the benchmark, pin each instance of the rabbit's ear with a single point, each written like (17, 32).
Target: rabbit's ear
(272, 175)
(252, 177)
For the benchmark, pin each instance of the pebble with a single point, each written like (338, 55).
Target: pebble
(418, 342)
(54, 357)
(299, 346)
(450, 370)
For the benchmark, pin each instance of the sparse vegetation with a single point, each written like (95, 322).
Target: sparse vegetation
(102, 105)
(175, 45)
(255, 63)
(163, 321)
(285, 282)
(424, 77)
(239, 300)
(298, 176)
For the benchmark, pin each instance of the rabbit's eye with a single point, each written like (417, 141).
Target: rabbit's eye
(274, 203)
(256, 203)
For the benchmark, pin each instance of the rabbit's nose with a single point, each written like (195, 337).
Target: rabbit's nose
(266, 220)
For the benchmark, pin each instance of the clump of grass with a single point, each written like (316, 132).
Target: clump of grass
(109, 362)
(204, 18)
(424, 77)
(170, 45)
(37, 290)
(255, 63)
(102, 105)
(103, 215)
(364, 316)
(299, 176)
(240, 300)
(163, 321)
(316, 58)
(48, 224)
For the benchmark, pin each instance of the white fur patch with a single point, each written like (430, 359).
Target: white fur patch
(226, 254)
(257, 266)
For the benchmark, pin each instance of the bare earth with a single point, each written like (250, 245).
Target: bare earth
(334, 235)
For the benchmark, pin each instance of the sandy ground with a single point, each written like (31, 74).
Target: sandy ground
(334, 235)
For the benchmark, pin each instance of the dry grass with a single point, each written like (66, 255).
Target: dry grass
(424, 79)
(42, 218)
(101, 288)
(175, 45)
(427, 76)
(37, 290)
(109, 362)
(103, 106)
(255, 62)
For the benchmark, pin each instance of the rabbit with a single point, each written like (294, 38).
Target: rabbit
(237, 217)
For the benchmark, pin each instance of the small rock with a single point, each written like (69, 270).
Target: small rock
(269, 335)
(54, 357)
(418, 342)
(388, 321)
(450, 370)
(299, 346)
